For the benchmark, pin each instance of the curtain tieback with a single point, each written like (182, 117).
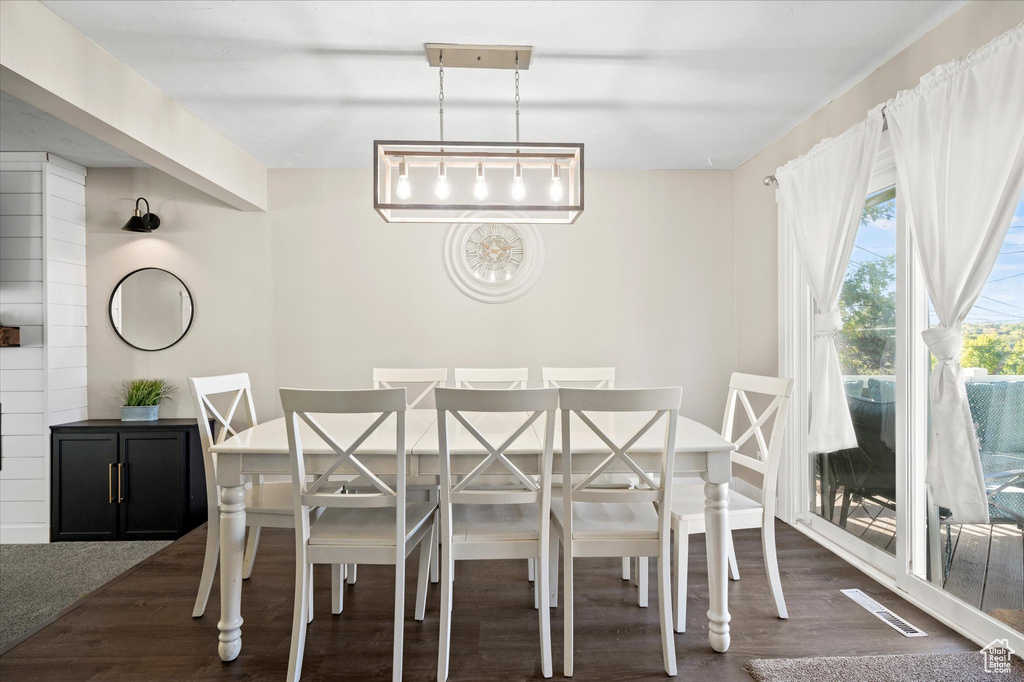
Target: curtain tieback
(945, 343)
(826, 324)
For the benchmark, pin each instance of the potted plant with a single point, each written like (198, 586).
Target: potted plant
(140, 399)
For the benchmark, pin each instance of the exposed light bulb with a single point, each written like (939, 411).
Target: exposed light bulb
(404, 189)
(518, 188)
(556, 184)
(480, 188)
(441, 188)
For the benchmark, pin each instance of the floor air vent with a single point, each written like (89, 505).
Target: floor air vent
(883, 614)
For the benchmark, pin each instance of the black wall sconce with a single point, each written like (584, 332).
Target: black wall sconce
(142, 222)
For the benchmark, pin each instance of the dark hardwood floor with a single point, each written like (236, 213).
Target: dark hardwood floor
(141, 628)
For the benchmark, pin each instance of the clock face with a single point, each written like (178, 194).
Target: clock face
(494, 262)
(494, 252)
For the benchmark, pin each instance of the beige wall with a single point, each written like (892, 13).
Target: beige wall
(319, 290)
(756, 227)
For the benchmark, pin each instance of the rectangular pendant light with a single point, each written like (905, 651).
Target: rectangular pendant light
(467, 182)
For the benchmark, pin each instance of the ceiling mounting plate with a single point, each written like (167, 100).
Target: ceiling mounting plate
(479, 56)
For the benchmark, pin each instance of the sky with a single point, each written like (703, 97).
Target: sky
(1002, 299)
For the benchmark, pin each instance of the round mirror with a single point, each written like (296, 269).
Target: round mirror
(151, 309)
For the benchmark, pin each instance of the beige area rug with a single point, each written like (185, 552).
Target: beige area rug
(967, 666)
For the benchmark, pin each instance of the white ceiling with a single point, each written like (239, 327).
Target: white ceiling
(23, 128)
(642, 84)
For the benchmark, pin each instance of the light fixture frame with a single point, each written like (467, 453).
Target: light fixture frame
(387, 154)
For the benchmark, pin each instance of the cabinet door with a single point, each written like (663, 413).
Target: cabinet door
(152, 485)
(84, 486)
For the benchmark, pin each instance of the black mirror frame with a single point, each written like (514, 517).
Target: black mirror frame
(110, 316)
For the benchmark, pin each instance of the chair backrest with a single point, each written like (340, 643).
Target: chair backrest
(509, 378)
(554, 377)
(205, 392)
(663, 402)
(237, 392)
(432, 378)
(536, 402)
(301, 406)
(760, 470)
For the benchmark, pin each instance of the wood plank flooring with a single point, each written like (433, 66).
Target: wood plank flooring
(140, 628)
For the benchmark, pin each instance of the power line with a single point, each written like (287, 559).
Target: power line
(1019, 274)
(996, 300)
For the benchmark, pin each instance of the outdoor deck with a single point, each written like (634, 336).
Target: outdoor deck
(986, 568)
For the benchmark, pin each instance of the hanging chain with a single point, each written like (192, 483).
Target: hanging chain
(440, 96)
(517, 98)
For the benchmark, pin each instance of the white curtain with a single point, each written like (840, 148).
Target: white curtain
(822, 196)
(958, 139)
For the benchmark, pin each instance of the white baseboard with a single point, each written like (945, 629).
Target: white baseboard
(24, 534)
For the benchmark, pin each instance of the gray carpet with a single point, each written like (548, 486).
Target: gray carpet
(965, 666)
(38, 581)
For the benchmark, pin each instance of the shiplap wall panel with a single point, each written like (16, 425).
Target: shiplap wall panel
(21, 292)
(67, 336)
(68, 398)
(65, 273)
(22, 490)
(21, 204)
(66, 416)
(21, 270)
(21, 358)
(21, 314)
(42, 287)
(65, 252)
(26, 512)
(21, 468)
(69, 356)
(22, 424)
(66, 210)
(21, 226)
(21, 182)
(68, 377)
(66, 231)
(66, 315)
(21, 247)
(67, 294)
(22, 402)
(24, 446)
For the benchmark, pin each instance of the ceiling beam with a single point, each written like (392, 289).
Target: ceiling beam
(52, 66)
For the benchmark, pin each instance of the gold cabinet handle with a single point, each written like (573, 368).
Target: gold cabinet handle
(120, 497)
(110, 484)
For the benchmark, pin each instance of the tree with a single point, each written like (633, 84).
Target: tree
(868, 306)
(988, 351)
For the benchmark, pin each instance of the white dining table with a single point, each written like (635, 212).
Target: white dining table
(263, 449)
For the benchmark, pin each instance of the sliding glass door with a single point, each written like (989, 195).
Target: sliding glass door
(983, 565)
(870, 504)
(856, 488)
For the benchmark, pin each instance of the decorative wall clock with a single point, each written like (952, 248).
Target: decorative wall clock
(493, 262)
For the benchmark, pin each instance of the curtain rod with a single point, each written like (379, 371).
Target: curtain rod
(770, 180)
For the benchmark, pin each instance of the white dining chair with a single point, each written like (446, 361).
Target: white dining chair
(497, 378)
(377, 527)
(759, 474)
(485, 377)
(424, 381)
(267, 505)
(599, 377)
(616, 522)
(482, 522)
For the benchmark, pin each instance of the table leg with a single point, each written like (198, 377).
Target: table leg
(716, 521)
(232, 545)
